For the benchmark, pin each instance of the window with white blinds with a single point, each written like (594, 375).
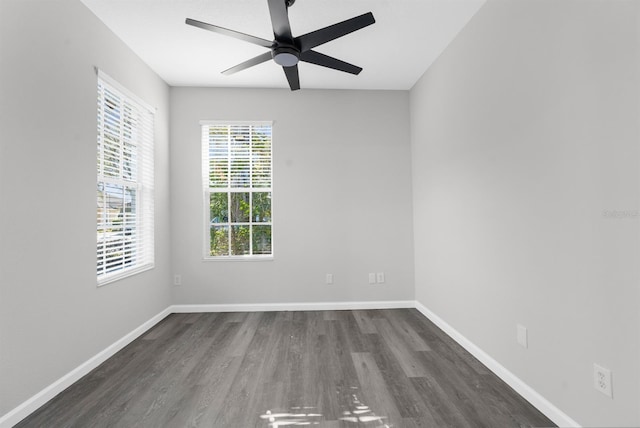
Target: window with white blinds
(237, 181)
(124, 183)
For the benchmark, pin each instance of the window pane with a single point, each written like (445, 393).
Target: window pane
(240, 208)
(117, 220)
(239, 132)
(101, 207)
(218, 156)
(100, 221)
(129, 225)
(261, 207)
(114, 201)
(114, 253)
(111, 155)
(239, 174)
(240, 158)
(219, 241)
(261, 239)
(261, 156)
(239, 240)
(129, 162)
(219, 208)
(219, 173)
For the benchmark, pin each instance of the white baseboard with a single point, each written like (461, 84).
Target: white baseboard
(317, 306)
(34, 403)
(538, 401)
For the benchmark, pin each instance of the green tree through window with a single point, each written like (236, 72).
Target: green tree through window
(237, 174)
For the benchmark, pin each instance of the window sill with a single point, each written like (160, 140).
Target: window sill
(238, 259)
(121, 275)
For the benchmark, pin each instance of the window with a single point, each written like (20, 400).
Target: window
(124, 183)
(238, 188)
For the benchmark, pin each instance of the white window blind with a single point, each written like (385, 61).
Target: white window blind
(237, 182)
(125, 242)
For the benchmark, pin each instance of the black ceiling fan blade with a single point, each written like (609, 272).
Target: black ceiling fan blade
(235, 34)
(249, 63)
(292, 77)
(280, 21)
(316, 38)
(323, 60)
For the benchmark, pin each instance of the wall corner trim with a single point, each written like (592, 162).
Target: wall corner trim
(528, 393)
(38, 400)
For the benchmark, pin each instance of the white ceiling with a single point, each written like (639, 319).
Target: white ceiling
(394, 52)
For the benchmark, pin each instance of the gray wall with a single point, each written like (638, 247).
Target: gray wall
(524, 143)
(342, 196)
(52, 315)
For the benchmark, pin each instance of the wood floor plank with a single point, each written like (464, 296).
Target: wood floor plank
(329, 424)
(506, 402)
(417, 423)
(407, 357)
(162, 328)
(236, 316)
(330, 315)
(406, 330)
(282, 337)
(327, 373)
(344, 373)
(295, 381)
(374, 402)
(441, 407)
(316, 318)
(314, 386)
(356, 340)
(328, 369)
(343, 378)
(245, 335)
(239, 408)
(214, 392)
(433, 335)
(193, 318)
(364, 322)
(306, 388)
(465, 393)
(406, 398)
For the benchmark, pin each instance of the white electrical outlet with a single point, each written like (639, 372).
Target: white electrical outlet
(329, 279)
(372, 278)
(521, 335)
(602, 380)
(380, 277)
(177, 279)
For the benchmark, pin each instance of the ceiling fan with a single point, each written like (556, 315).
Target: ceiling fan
(287, 50)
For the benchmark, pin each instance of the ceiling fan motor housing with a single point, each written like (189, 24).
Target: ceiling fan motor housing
(286, 56)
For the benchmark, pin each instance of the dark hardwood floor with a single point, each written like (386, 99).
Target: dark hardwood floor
(376, 368)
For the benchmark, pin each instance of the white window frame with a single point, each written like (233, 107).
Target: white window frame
(207, 191)
(129, 127)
